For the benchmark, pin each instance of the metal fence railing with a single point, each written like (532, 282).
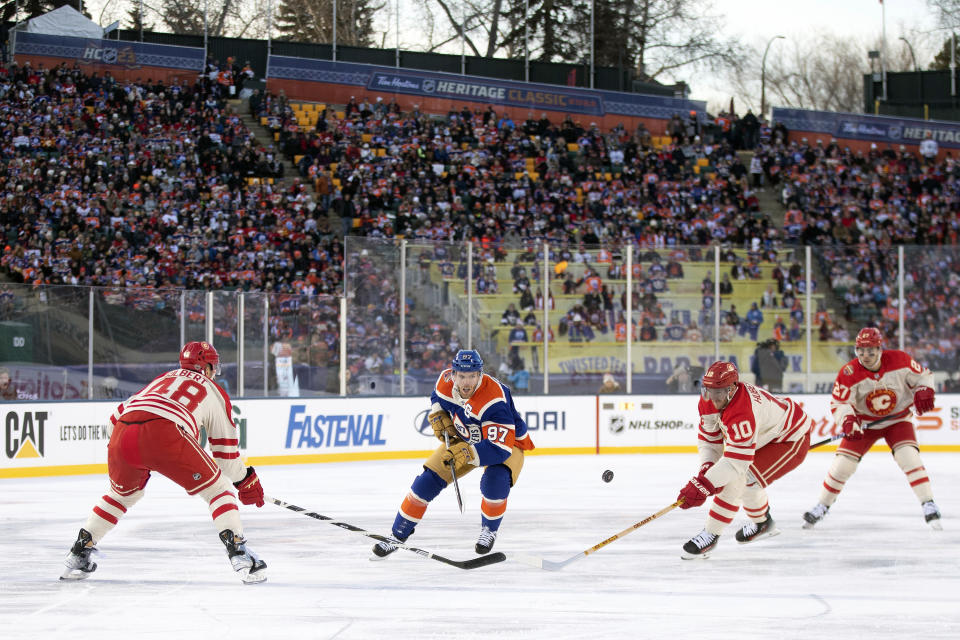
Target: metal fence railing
(547, 319)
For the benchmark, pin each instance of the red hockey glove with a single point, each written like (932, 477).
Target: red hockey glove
(923, 400)
(851, 427)
(696, 492)
(250, 489)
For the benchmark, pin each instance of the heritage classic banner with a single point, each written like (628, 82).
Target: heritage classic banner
(867, 128)
(429, 84)
(118, 54)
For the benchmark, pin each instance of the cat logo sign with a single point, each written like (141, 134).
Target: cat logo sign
(23, 434)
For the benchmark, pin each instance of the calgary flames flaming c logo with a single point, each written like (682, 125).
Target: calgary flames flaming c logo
(881, 402)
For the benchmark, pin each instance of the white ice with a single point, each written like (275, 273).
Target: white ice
(872, 569)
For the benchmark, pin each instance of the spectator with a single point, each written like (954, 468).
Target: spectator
(8, 390)
(520, 378)
(609, 384)
(929, 148)
(769, 363)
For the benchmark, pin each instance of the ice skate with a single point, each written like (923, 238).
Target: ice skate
(245, 562)
(753, 531)
(930, 513)
(383, 549)
(700, 545)
(815, 515)
(79, 564)
(486, 540)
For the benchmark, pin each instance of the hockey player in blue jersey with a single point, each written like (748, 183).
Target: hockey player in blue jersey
(476, 412)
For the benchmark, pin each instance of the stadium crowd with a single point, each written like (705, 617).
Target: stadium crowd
(141, 184)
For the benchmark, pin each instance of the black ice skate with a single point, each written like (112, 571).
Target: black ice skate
(245, 562)
(753, 531)
(382, 549)
(932, 515)
(79, 564)
(815, 515)
(700, 545)
(486, 540)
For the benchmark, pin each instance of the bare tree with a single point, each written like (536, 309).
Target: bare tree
(821, 71)
(947, 12)
(233, 18)
(312, 21)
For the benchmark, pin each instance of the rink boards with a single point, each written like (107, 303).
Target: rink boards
(65, 438)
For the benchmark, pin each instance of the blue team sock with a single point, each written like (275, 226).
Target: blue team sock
(494, 485)
(426, 486)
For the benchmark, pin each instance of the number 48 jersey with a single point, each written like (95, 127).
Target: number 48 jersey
(192, 401)
(752, 419)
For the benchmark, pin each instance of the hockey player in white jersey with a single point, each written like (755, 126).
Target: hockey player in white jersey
(158, 429)
(871, 400)
(747, 439)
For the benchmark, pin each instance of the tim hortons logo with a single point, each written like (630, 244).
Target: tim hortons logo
(881, 402)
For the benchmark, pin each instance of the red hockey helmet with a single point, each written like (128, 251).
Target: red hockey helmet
(869, 337)
(195, 355)
(721, 375)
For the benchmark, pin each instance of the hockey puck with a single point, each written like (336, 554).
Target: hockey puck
(607, 475)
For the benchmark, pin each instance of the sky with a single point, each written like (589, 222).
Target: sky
(871, 570)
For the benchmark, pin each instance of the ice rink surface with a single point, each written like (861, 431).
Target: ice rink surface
(872, 569)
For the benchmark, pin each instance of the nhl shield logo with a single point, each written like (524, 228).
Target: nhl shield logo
(616, 424)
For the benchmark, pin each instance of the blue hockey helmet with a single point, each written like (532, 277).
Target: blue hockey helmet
(467, 360)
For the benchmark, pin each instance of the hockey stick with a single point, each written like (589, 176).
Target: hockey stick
(453, 472)
(473, 563)
(869, 425)
(542, 563)
(827, 440)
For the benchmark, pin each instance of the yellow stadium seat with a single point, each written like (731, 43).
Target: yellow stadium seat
(276, 136)
(297, 159)
(518, 175)
(264, 121)
(702, 162)
(366, 137)
(608, 176)
(333, 166)
(381, 152)
(534, 176)
(341, 115)
(573, 146)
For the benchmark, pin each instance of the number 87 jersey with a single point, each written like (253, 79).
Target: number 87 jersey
(752, 419)
(488, 419)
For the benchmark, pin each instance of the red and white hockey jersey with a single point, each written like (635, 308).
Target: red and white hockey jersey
(752, 419)
(192, 401)
(883, 395)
